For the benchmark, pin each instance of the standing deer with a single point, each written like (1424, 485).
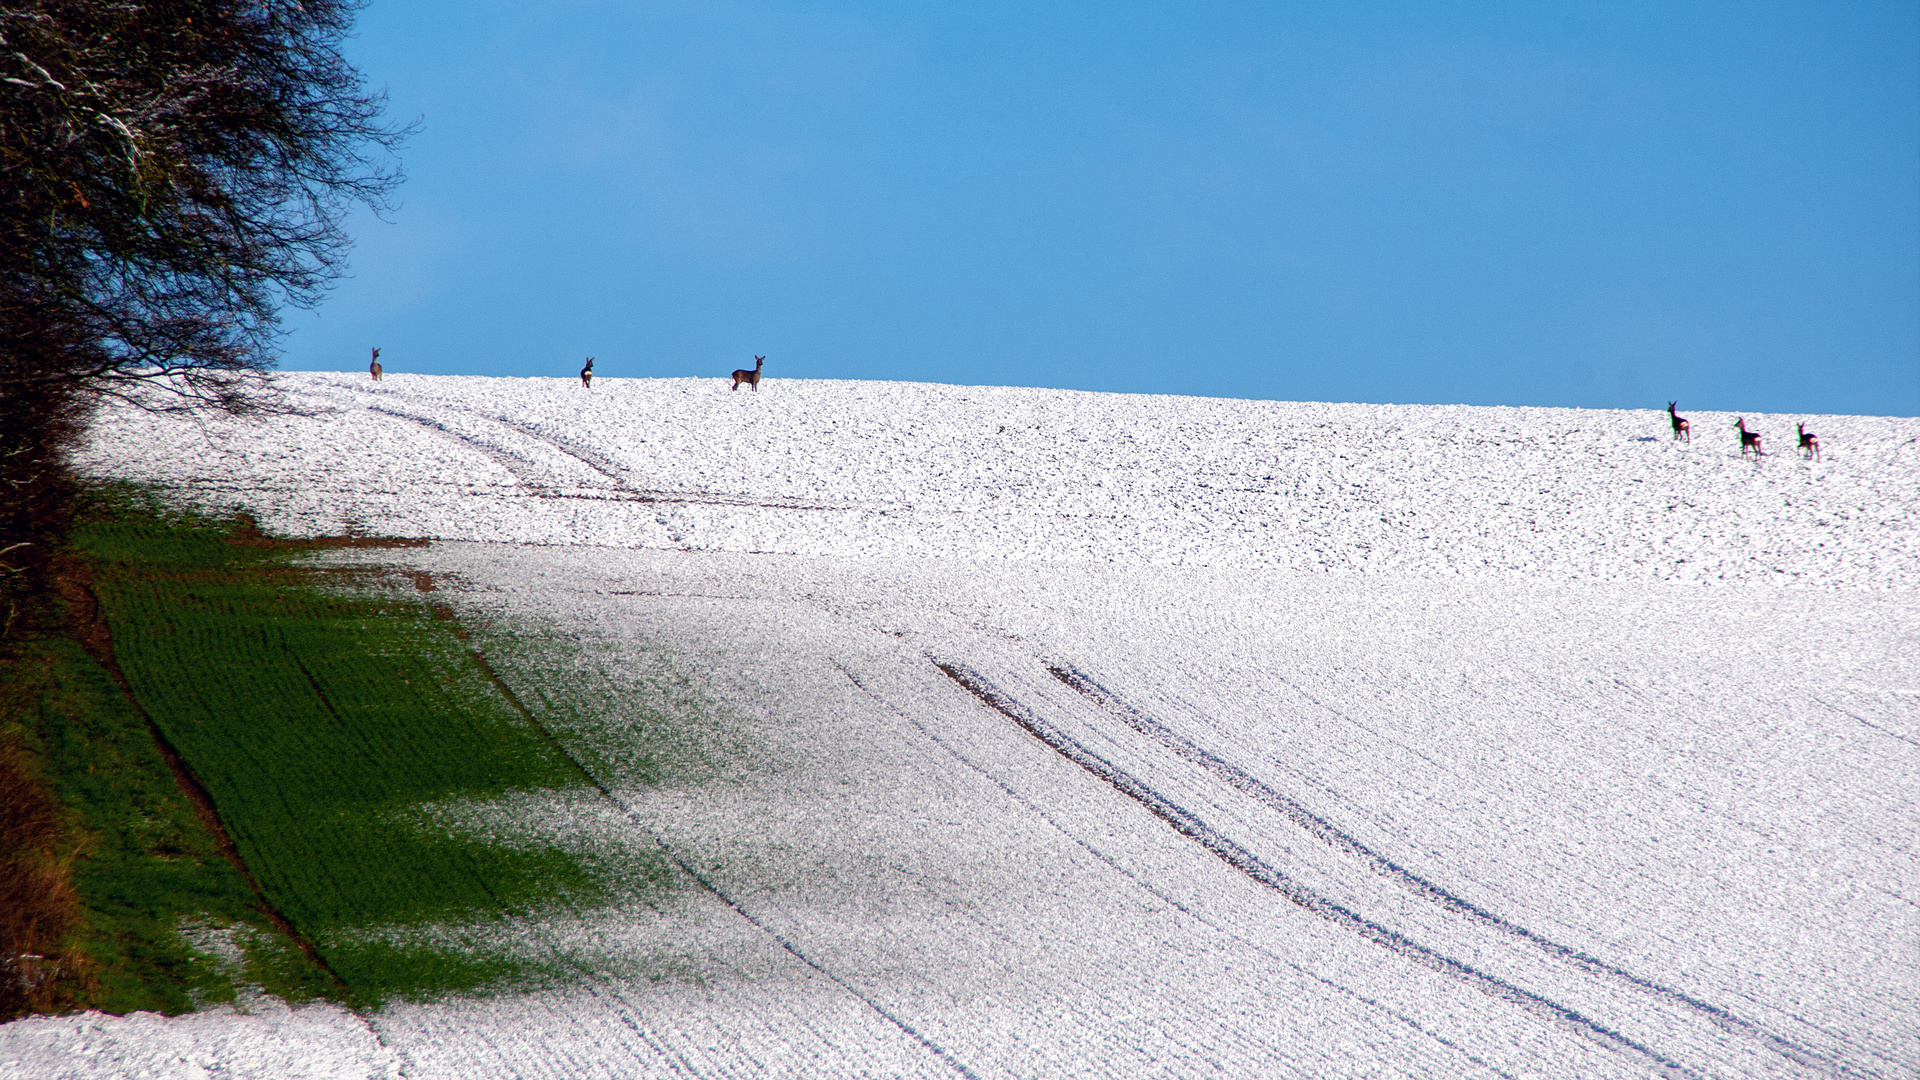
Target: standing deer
(1809, 442)
(751, 378)
(375, 366)
(1681, 429)
(1749, 440)
(586, 374)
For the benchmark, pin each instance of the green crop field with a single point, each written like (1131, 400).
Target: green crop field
(144, 860)
(326, 723)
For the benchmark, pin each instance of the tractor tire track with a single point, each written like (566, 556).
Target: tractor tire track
(1153, 890)
(1190, 825)
(617, 475)
(521, 468)
(1332, 835)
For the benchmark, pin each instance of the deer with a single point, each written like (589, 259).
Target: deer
(751, 378)
(1681, 429)
(1809, 442)
(1749, 440)
(374, 367)
(586, 374)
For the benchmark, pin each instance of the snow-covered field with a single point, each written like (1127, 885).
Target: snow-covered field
(1102, 735)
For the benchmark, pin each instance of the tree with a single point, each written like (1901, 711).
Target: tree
(172, 173)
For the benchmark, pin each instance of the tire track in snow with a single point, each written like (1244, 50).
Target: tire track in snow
(618, 474)
(1332, 835)
(1155, 892)
(706, 883)
(521, 468)
(615, 474)
(1188, 824)
(1889, 733)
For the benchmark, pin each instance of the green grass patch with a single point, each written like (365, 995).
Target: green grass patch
(145, 862)
(324, 722)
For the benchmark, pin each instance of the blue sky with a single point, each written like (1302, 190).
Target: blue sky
(1609, 204)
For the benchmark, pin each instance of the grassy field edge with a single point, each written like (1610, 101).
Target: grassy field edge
(316, 716)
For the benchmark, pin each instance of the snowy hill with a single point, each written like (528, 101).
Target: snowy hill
(900, 469)
(1083, 734)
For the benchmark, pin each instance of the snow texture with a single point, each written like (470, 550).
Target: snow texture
(1072, 734)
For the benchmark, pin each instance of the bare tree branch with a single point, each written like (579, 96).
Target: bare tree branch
(172, 175)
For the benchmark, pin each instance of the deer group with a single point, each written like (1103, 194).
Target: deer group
(740, 375)
(751, 377)
(1749, 439)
